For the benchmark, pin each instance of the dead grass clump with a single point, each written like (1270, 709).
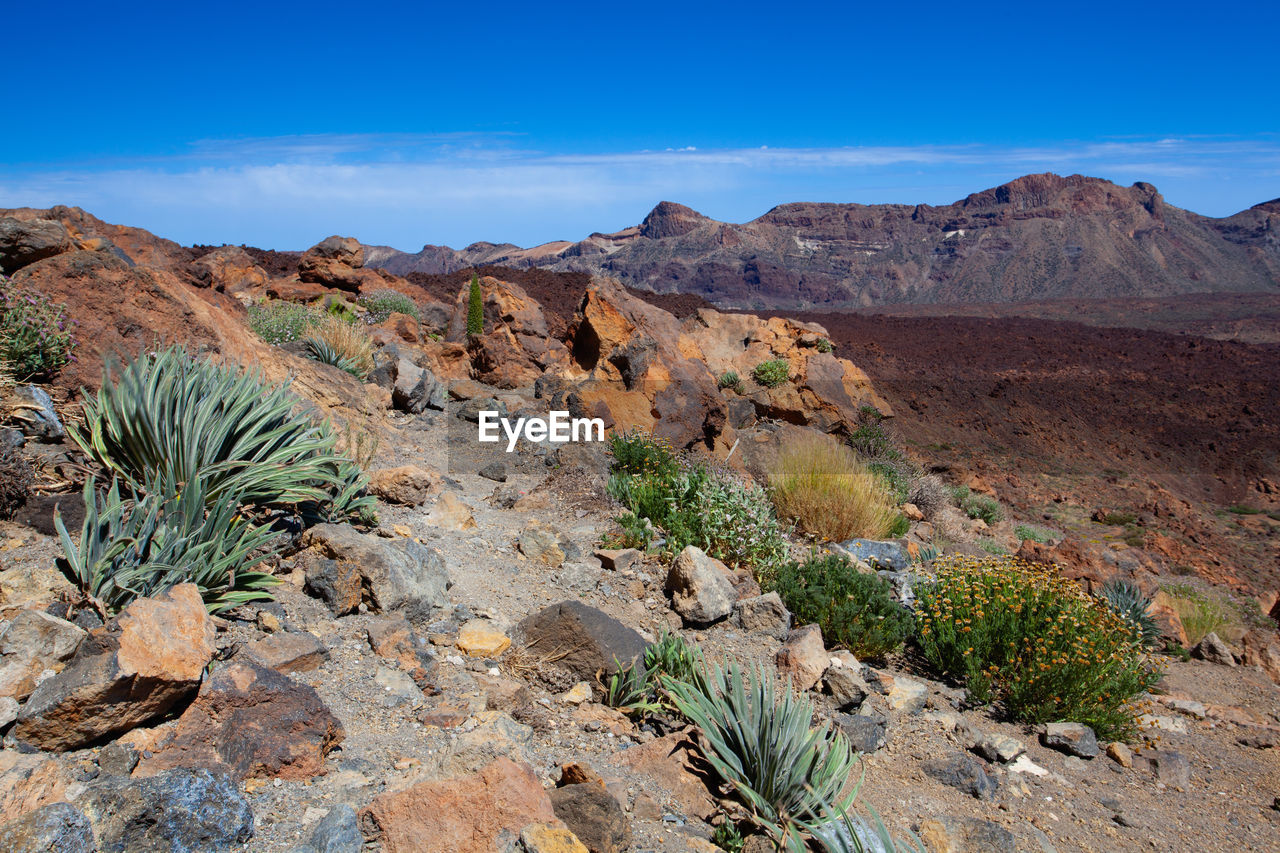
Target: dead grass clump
(830, 494)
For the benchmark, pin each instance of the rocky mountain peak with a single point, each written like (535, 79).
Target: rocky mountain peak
(669, 219)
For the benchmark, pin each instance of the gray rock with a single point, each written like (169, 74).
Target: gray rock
(415, 389)
(764, 614)
(845, 684)
(880, 554)
(36, 415)
(24, 242)
(181, 811)
(117, 759)
(290, 651)
(592, 814)
(8, 710)
(1071, 738)
(996, 747)
(496, 471)
(338, 832)
(55, 828)
(1173, 769)
(1213, 650)
(34, 642)
(588, 639)
(400, 575)
(964, 773)
(700, 588)
(866, 732)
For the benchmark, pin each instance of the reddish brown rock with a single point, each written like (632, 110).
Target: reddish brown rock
(229, 270)
(673, 764)
(28, 782)
(1262, 649)
(290, 651)
(338, 262)
(123, 678)
(460, 815)
(251, 721)
(409, 485)
(803, 657)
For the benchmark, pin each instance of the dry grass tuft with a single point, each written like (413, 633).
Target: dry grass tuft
(829, 492)
(348, 341)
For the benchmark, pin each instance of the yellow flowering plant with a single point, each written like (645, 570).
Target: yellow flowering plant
(1032, 642)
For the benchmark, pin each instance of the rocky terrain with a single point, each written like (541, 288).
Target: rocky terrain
(1040, 237)
(432, 680)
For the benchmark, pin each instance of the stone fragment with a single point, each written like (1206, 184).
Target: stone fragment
(450, 513)
(479, 638)
(396, 575)
(964, 773)
(1173, 769)
(338, 832)
(496, 471)
(866, 732)
(803, 657)
(459, 815)
(576, 695)
(539, 542)
(956, 834)
(1120, 753)
(251, 722)
(764, 614)
(997, 747)
(900, 693)
(541, 838)
(889, 555)
(1213, 650)
(583, 639)
(33, 643)
(594, 816)
(55, 828)
(122, 679)
(8, 710)
(25, 241)
(1071, 738)
(845, 682)
(33, 410)
(117, 759)
(339, 584)
(409, 485)
(700, 587)
(618, 559)
(673, 764)
(182, 811)
(290, 651)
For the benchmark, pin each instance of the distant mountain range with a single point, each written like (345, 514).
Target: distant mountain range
(1038, 237)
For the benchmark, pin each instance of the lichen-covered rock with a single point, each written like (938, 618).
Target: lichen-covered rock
(181, 811)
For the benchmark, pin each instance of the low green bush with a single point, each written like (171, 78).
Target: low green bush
(693, 504)
(381, 304)
(37, 338)
(825, 345)
(1020, 636)
(282, 322)
(637, 689)
(1035, 534)
(975, 505)
(772, 373)
(730, 379)
(854, 610)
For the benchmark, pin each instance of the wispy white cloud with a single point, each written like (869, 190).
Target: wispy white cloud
(410, 189)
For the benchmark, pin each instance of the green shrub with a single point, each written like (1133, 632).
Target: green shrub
(795, 781)
(475, 308)
(1017, 634)
(772, 373)
(1124, 597)
(381, 304)
(637, 689)
(854, 610)
(37, 338)
(1244, 509)
(728, 837)
(825, 345)
(1119, 519)
(1035, 534)
(991, 546)
(730, 379)
(978, 506)
(172, 533)
(1201, 612)
(872, 439)
(171, 414)
(282, 322)
(829, 492)
(692, 504)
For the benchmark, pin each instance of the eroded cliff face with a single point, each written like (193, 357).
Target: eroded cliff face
(1038, 237)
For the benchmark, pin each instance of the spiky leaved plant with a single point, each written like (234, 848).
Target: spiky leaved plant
(791, 776)
(145, 542)
(1124, 597)
(173, 414)
(636, 688)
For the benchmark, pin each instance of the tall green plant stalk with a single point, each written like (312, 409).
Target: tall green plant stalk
(475, 308)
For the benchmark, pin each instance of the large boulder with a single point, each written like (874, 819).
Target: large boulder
(181, 811)
(338, 262)
(515, 346)
(25, 242)
(594, 816)
(401, 576)
(700, 587)
(459, 815)
(228, 269)
(250, 721)
(803, 658)
(585, 640)
(34, 643)
(126, 677)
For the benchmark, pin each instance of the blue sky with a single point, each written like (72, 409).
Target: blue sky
(277, 124)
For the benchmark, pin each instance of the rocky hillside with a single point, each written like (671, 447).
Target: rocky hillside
(1039, 237)
(469, 662)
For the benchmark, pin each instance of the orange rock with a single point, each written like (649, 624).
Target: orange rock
(460, 815)
(410, 485)
(169, 636)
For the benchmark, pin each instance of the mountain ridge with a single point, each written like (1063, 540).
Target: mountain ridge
(1037, 237)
